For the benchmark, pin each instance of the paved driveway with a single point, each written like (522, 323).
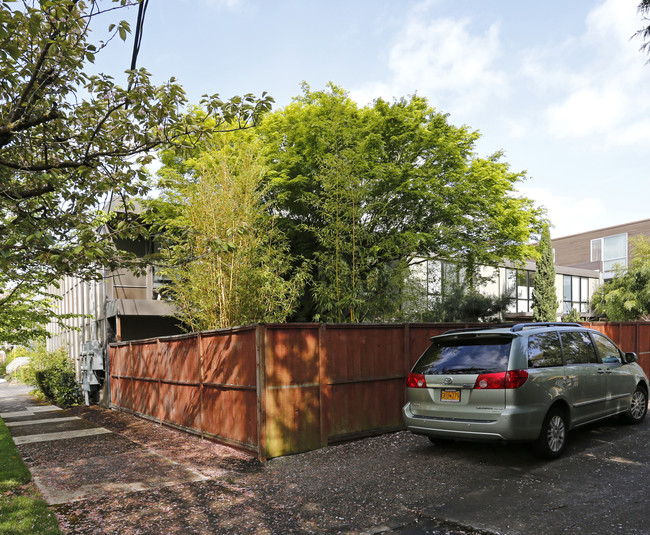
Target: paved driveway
(601, 485)
(157, 480)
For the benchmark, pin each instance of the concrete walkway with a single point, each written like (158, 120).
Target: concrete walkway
(72, 459)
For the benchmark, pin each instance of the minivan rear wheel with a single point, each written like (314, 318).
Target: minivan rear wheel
(638, 406)
(553, 436)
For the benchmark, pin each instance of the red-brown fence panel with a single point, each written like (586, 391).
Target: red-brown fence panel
(179, 379)
(365, 372)
(172, 381)
(643, 346)
(230, 387)
(292, 388)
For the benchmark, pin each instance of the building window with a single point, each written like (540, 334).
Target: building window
(612, 251)
(575, 294)
(519, 285)
(451, 277)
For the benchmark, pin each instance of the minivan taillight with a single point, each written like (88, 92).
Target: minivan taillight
(490, 380)
(416, 380)
(516, 378)
(510, 379)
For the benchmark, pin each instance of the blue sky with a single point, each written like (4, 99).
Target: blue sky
(559, 86)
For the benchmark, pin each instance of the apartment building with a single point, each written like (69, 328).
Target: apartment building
(601, 249)
(121, 306)
(574, 286)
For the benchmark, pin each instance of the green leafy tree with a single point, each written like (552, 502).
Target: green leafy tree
(226, 262)
(544, 295)
(70, 140)
(627, 296)
(365, 192)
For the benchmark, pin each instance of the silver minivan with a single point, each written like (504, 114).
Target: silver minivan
(525, 382)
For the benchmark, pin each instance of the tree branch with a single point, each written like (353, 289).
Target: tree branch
(8, 130)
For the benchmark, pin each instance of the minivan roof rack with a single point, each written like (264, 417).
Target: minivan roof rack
(514, 327)
(532, 325)
(481, 328)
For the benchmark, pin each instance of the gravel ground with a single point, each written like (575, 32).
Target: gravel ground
(355, 487)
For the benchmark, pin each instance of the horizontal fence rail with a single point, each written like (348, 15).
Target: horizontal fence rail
(278, 389)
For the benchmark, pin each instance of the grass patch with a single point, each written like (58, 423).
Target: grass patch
(13, 471)
(22, 510)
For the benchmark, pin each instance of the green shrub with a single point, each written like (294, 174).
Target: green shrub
(53, 375)
(573, 316)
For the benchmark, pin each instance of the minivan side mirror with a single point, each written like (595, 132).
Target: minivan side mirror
(630, 357)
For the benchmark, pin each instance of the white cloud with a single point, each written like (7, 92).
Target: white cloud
(442, 54)
(440, 57)
(573, 111)
(613, 22)
(568, 215)
(634, 134)
(586, 112)
(517, 128)
(606, 92)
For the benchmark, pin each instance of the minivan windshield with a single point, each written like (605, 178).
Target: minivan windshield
(465, 355)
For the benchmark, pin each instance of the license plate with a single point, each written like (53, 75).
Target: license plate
(450, 395)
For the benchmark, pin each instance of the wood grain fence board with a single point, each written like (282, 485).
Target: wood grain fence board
(277, 389)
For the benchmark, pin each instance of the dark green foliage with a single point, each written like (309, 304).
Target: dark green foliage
(455, 300)
(58, 385)
(363, 192)
(545, 302)
(54, 375)
(627, 296)
(467, 306)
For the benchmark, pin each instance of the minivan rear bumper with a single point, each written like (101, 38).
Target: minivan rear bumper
(512, 424)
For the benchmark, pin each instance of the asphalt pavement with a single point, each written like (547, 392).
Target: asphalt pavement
(599, 487)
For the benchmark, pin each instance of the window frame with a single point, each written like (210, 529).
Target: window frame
(569, 301)
(608, 262)
(548, 334)
(601, 336)
(565, 334)
(515, 275)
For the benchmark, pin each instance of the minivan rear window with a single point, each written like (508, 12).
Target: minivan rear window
(465, 355)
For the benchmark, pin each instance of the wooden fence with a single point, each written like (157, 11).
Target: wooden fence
(278, 389)
(272, 389)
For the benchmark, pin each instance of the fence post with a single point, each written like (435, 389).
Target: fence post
(159, 383)
(109, 399)
(407, 349)
(260, 361)
(199, 340)
(324, 385)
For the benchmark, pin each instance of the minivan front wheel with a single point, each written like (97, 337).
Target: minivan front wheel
(638, 406)
(553, 436)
